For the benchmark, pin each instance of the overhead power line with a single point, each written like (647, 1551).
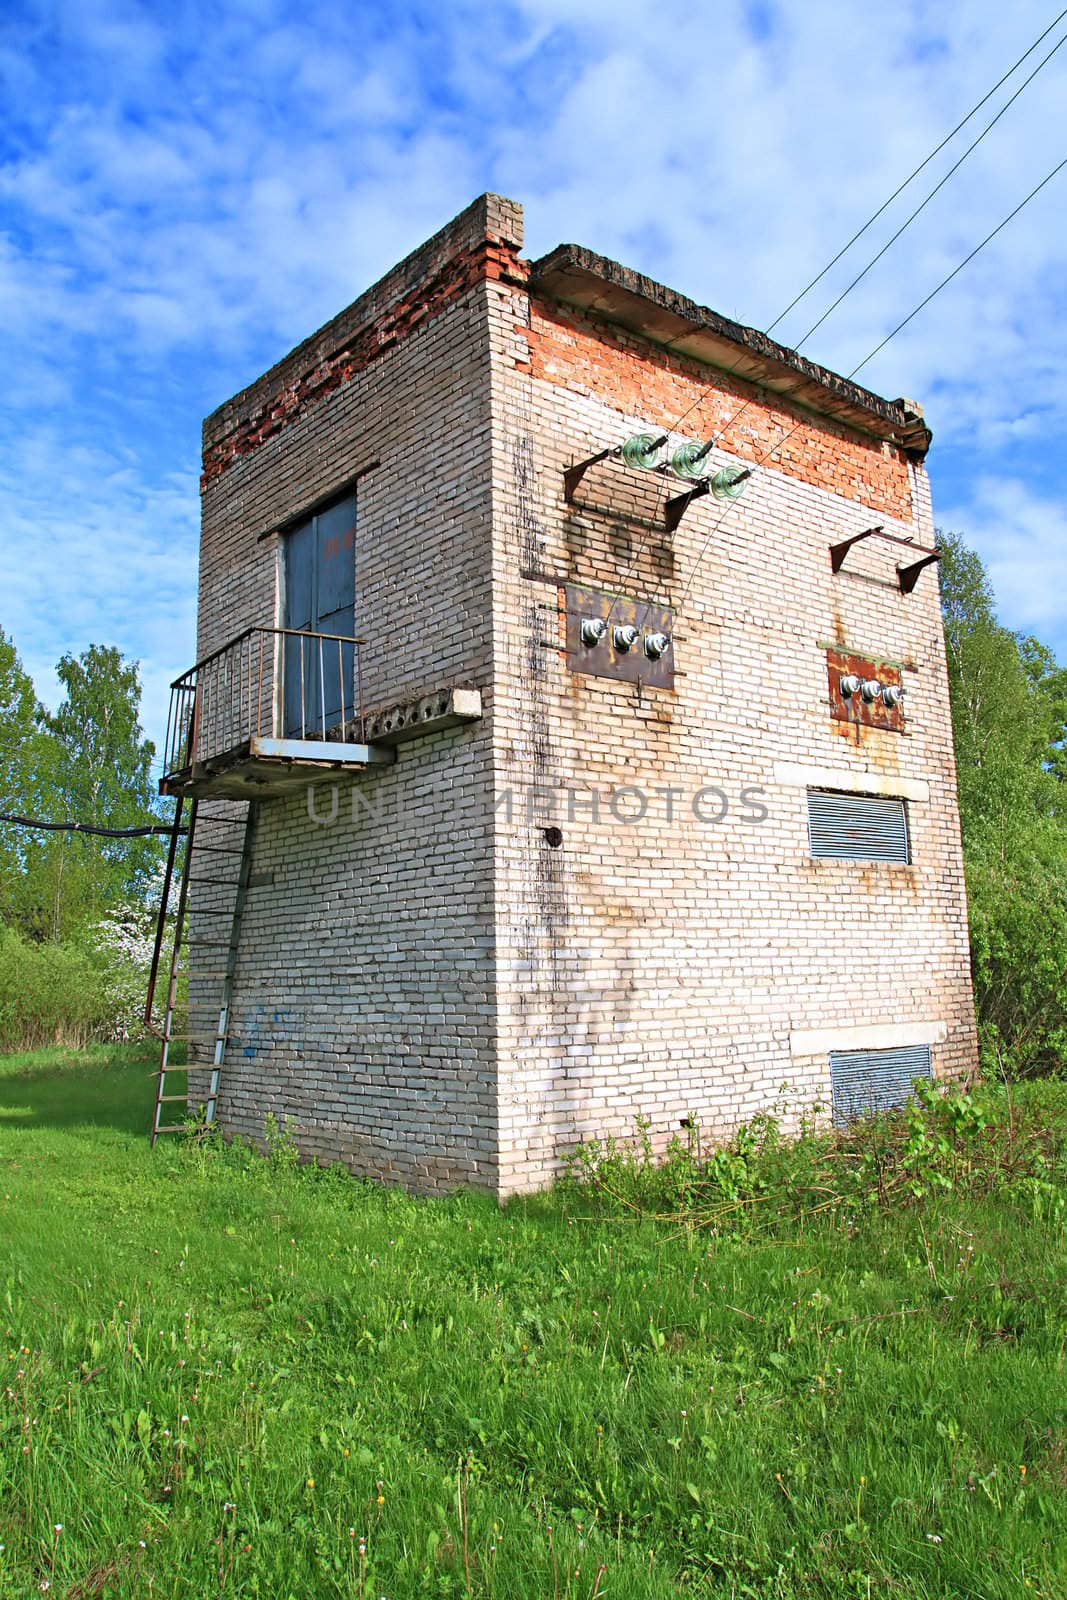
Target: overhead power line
(858, 235)
(87, 827)
(924, 203)
(877, 349)
(904, 225)
(845, 248)
(957, 269)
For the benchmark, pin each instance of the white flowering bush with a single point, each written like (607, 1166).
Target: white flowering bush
(123, 941)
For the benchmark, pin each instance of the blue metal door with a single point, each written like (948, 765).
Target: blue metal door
(320, 576)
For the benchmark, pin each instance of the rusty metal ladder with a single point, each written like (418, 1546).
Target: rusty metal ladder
(219, 846)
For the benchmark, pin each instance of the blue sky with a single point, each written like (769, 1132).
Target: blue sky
(187, 191)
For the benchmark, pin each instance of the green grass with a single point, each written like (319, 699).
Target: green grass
(223, 1372)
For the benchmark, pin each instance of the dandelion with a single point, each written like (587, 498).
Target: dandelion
(1022, 1470)
(311, 1483)
(184, 1418)
(381, 1499)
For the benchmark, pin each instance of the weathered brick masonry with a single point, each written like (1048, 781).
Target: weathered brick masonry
(428, 987)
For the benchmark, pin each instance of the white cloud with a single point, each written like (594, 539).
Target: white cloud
(1021, 536)
(183, 200)
(94, 554)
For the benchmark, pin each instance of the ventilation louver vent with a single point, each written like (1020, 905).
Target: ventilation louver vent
(857, 827)
(866, 1081)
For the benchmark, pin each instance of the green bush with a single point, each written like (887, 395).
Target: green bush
(50, 994)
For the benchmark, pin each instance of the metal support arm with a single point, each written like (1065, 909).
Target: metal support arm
(573, 476)
(908, 577)
(838, 552)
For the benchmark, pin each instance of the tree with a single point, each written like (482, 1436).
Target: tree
(1009, 704)
(24, 741)
(100, 765)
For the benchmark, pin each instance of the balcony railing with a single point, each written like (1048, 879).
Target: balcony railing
(268, 683)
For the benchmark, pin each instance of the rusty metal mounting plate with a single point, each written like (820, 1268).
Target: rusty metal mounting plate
(603, 660)
(854, 708)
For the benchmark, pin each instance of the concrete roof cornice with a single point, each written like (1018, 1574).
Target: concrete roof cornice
(613, 293)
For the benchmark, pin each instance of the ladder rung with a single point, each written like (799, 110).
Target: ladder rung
(195, 1038)
(172, 1127)
(216, 883)
(217, 850)
(209, 944)
(172, 1099)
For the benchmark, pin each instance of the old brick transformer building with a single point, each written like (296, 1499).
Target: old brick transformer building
(616, 809)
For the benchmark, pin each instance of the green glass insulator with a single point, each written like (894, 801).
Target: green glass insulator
(689, 461)
(728, 483)
(643, 450)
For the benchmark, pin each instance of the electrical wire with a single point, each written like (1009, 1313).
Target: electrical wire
(938, 186)
(845, 248)
(86, 827)
(877, 349)
(721, 433)
(871, 220)
(967, 258)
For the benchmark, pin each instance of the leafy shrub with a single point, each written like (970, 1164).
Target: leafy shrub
(88, 988)
(49, 994)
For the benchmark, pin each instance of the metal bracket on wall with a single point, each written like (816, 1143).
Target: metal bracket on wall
(908, 577)
(676, 509)
(838, 552)
(573, 476)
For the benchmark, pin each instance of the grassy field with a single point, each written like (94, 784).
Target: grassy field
(231, 1376)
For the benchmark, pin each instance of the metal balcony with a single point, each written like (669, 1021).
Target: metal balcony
(267, 713)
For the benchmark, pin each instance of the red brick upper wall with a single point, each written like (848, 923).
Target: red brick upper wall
(636, 375)
(482, 242)
(641, 379)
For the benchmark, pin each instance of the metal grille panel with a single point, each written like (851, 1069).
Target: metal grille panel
(857, 827)
(863, 1082)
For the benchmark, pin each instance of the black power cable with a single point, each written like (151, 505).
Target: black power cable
(86, 827)
(721, 432)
